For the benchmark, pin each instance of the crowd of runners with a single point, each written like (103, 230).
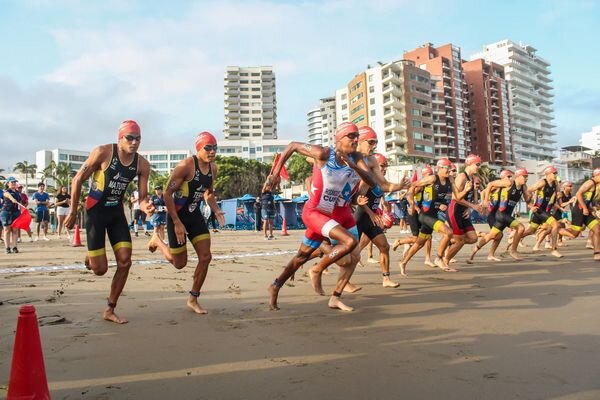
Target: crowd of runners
(345, 212)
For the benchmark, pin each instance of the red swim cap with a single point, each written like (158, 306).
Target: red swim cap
(129, 126)
(444, 162)
(521, 172)
(505, 173)
(381, 160)
(426, 171)
(344, 129)
(472, 159)
(366, 133)
(203, 139)
(549, 170)
(596, 172)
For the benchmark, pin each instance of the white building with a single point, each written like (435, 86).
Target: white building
(256, 149)
(591, 139)
(530, 88)
(76, 158)
(163, 161)
(573, 164)
(322, 123)
(250, 103)
(341, 106)
(315, 135)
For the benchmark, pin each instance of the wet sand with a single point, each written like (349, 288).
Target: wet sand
(503, 330)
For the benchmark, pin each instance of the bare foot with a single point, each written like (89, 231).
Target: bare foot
(387, 282)
(429, 263)
(351, 288)
(440, 263)
(493, 258)
(273, 293)
(588, 245)
(556, 254)
(315, 280)
(452, 261)
(402, 268)
(448, 269)
(152, 246)
(596, 256)
(521, 244)
(192, 303)
(548, 246)
(535, 248)
(473, 252)
(109, 315)
(87, 263)
(371, 260)
(396, 244)
(335, 302)
(516, 256)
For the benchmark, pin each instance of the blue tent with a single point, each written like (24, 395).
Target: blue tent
(300, 199)
(247, 197)
(279, 198)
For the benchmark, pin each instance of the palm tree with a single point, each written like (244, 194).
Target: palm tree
(63, 174)
(49, 172)
(27, 169)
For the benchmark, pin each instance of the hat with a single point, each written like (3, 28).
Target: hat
(521, 172)
(12, 179)
(158, 187)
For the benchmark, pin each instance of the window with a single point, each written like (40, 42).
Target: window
(358, 119)
(255, 89)
(177, 157)
(255, 74)
(244, 104)
(417, 124)
(255, 81)
(344, 106)
(246, 81)
(371, 89)
(256, 126)
(256, 119)
(245, 126)
(244, 96)
(244, 149)
(158, 157)
(371, 78)
(357, 108)
(344, 96)
(372, 100)
(255, 112)
(372, 113)
(416, 112)
(256, 96)
(245, 119)
(243, 74)
(258, 148)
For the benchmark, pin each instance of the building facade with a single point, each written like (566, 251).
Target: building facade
(451, 134)
(321, 123)
(530, 89)
(250, 103)
(488, 103)
(163, 161)
(314, 130)
(591, 139)
(259, 150)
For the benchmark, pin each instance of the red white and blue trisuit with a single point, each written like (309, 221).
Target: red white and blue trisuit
(328, 206)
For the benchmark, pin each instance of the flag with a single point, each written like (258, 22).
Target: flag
(23, 221)
(415, 176)
(283, 173)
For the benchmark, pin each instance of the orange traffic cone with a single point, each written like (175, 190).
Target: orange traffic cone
(284, 231)
(76, 238)
(28, 374)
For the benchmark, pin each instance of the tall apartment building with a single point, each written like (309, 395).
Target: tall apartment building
(60, 156)
(250, 103)
(488, 103)
(591, 139)
(451, 135)
(530, 89)
(321, 123)
(395, 100)
(315, 135)
(263, 150)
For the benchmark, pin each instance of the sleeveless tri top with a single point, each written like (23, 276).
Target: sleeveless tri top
(191, 193)
(109, 185)
(434, 195)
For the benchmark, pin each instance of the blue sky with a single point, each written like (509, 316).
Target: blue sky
(71, 70)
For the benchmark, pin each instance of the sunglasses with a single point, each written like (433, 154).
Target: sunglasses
(210, 147)
(478, 165)
(372, 142)
(445, 167)
(131, 138)
(352, 136)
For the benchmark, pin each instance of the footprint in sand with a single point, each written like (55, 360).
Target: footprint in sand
(52, 320)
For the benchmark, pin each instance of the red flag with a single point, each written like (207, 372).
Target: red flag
(415, 176)
(23, 221)
(283, 173)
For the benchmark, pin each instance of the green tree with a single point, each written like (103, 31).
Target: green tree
(156, 178)
(237, 176)
(27, 169)
(298, 168)
(486, 175)
(63, 174)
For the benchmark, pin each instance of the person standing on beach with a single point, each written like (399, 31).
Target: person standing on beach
(336, 175)
(42, 213)
(25, 204)
(191, 181)
(10, 211)
(267, 201)
(62, 209)
(159, 219)
(112, 167)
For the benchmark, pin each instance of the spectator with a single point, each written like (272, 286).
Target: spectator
(63, 202)
(42, 214)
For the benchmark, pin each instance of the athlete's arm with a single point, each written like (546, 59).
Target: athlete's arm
(383, 183)
(92, 164)
(361, 168)
(309, 150)
(211, 200)
(527, 196)
(182, 172)
(586, 187)
(538, 185)
(143, 177)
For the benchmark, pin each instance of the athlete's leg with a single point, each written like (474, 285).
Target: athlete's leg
(384, 259)
(345, 243)
(447, 236)
(519, 229)
(202, 247)
(123, 257)
(346, 270)
(304, 253)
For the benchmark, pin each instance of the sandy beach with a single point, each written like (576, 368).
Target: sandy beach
(505, 330)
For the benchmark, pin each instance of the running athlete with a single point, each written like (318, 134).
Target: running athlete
(159, 219)
(459, 214)
(435, 190)
(564, 199)
(112, 167)
(414, 196)
(543, 201)
(370, 225)
(491, 201)
(583, 212)
(191, 182)
(510, 191)
(336, 175)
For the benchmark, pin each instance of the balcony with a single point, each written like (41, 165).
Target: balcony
(395, 138)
